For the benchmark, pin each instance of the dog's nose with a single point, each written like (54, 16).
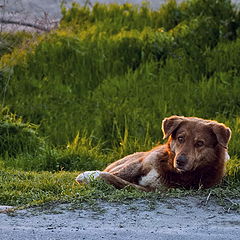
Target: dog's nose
(181, 160)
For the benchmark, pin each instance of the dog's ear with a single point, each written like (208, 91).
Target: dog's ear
(170, 124)
(222, 133)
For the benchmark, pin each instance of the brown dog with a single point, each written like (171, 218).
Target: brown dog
(193, 157)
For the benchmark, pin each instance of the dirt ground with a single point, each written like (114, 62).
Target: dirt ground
(184, 218)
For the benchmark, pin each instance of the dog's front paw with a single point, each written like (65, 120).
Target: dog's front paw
(87, 176)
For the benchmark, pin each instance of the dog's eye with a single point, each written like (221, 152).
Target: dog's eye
(181, 139)
(199, 144)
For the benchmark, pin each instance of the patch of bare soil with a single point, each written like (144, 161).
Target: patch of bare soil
(184, 218)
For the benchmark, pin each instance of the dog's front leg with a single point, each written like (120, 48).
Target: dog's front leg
(109, 178)
(119, 182)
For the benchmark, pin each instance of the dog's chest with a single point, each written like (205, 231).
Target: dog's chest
(152, 179)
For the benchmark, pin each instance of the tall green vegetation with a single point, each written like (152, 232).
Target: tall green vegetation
(17, 137)
(105, 79)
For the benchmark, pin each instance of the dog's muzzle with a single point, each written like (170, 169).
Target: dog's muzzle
(181, 162)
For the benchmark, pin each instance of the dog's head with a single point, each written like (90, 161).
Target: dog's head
(194, 140)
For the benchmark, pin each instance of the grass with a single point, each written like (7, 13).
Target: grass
(28, 189)
(20, 188)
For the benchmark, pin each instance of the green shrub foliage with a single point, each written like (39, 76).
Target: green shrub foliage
(18, 138)
(113, 72)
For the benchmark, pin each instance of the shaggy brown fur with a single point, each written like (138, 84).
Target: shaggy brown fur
(193, 157)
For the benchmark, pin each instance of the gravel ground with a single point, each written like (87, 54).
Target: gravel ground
(185, 218)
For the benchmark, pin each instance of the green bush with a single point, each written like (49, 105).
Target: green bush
(10, 41)
(223, 60)
(17, 137)
(109, 18)
(115, 71)
(60, 72)
(233, 170)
